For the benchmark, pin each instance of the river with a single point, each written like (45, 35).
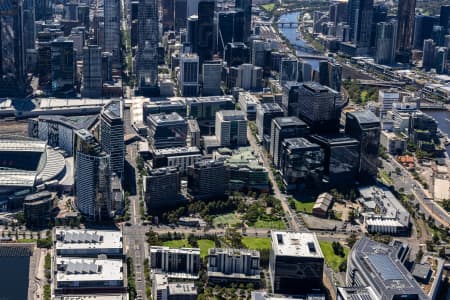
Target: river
(442, 116)
(301, 45)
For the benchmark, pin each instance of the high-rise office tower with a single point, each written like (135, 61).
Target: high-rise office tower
(29, 28)
(438, 35)
(167, 130)
(444, 18)
(265, 113)
(360, 14)
(405, 29)
(319, 106)
(283, 128)
(192, 8)
(207, 179)
(335, 76)
(168, 14)
(231, 128)
(386, 36)
(92, 72)
(161, 188)
(246, 7)
(180, 8)
(259, 50)
(288, 69)
(236, 54)
(147, 54)
(12, 51)
(423, 27)
(295, 257)
(365, 127)
(324, 76)
(428, 54)
(63, 66)
(212, 77)
(441, 60)
(380, 14)
(205, 29)
(228, 29)
(111, 30)
(192, 33)
(112, 134)
(92, 177)
(248, 77)
(189, 73)
(338, 12)
(43, 10)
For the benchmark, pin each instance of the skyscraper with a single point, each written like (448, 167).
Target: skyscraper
(147, 54)
(211, 78)
(92, 72)
(360, 14)
(386, 36)
(246, 7)
(428, 54)
(205, 29)
(12, 55)
(112, 134)
(405, 29)
(192, 33)
(180, 8)
(189, 70)
(63, 66)
(29, 28)
(231, 128)
(423, 27)
(288, 69)
(92, 177)
(228, 29)
(440, 60)
(444, 19)
(365, 127)
(168, 14)
(112, 30)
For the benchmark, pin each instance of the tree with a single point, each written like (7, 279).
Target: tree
(351, 240)
(343, 266)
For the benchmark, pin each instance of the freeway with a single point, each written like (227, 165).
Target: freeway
(292, 218)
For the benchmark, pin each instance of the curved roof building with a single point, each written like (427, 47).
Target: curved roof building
(26, 163)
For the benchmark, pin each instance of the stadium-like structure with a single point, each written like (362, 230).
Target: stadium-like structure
(25, 165)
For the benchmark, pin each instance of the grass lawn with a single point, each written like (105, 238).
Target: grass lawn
(228, 219)
(26, 241)
(305, 207)
(204, 246)
(269, 224)
(256, 242)
(177, 243)
(332, 259)
(268, 7)
(385, 177)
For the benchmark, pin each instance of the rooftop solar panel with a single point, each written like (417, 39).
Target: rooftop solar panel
(385, 267)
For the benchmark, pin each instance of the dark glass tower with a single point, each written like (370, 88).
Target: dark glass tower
(168, 14)
(444, 20)
(12, 66)
(405, 29)
(205, 29)
(228, 28)
(365, 127)
(147, 54)
(360, 14)
(246, 7)
(422, 30)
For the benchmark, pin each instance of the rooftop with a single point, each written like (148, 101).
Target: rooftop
(113, 109)
(76, 123)
(297, 244)
(295, 143)
(233, 252)
(166, 118)
(88, 269)
(85, 238)
(364, 116)
(178, 288)
(231, 115)
(384, 271)
(289, 121)
(176, 151)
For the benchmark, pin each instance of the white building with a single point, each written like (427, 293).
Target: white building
(163, 290)
(238, 265)
(383, 212)
(180, 157)
(248, 104)
(176, 263)
(392, 142)
(231, 128)
(387, 98)
(249, 77)
(88, 275)
(87, 242)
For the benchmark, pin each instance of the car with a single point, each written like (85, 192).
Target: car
(127, 224)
